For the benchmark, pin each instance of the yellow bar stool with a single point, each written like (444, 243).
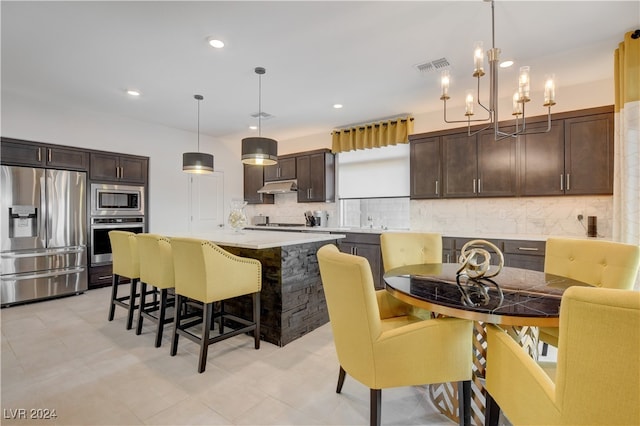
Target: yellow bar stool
(124, 248)
(206, 273)
(156, 270)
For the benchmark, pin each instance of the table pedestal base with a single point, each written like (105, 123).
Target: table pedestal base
(445, 395)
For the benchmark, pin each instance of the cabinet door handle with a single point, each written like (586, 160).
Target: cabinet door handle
(39, 154)
(479, 186)
(528, 248)
(437, 187)
(104, 277)
(474, 186)
(49, 155)
(561, 182)
(568, 181)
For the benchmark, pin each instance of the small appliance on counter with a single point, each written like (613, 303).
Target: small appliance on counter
(261, 220)
(317, 218)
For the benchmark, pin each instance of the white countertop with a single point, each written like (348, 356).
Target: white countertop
(257, 239)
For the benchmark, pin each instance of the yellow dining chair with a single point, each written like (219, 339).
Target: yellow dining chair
(380, 345)
(206, 273)
(410, 248)
(156, 270)
(598, 263)
(597, 380)
(124, 249)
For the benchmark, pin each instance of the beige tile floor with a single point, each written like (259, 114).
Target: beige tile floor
(64, 355)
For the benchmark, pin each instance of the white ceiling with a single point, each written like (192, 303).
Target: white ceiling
(360, 54)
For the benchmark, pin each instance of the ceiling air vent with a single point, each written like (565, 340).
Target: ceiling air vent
(435, 65)
(262, 115)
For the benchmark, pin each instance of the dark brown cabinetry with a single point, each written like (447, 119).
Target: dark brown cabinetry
(574, 158)
(367, 246)
(253, 181)
(542, 160)
(100, 276)
(478, 166)
(522, 254)
(118, 168)
(425, 168)
(24, 153)
(588, 149)
(315, 172)
(284, 170)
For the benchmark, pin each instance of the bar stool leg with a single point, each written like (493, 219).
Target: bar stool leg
(207, 309)
(176, 323)
(143, 299)
(256, 319)
(132, 303)
(114, 294)
(161, 316)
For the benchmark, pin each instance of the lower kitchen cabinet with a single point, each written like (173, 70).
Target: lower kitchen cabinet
(100, 276)
(367, 246)
(524, 254)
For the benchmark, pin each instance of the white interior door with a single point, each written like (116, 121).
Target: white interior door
(207, 202)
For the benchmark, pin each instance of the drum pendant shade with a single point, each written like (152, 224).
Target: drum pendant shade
(258, 150)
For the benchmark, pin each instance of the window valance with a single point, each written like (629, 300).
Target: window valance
(374, 135)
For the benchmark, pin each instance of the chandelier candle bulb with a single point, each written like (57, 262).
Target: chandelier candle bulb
(517, 105)
(549, 90)
(468, 103)
(444, 84)
(524, 84)
(478, 60)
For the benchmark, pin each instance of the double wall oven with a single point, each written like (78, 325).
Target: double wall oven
(113, 207)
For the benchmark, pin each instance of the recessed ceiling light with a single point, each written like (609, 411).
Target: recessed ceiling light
(133, 92)
(506, 64)
(218, 44)
(337, 106)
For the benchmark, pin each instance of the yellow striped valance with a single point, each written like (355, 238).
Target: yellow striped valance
(374, 135)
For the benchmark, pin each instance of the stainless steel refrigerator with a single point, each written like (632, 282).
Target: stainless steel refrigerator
(43, 250)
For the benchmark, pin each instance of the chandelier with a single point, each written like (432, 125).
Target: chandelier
(520, 97)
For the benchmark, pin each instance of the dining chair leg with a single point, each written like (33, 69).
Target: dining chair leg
(222, 317)
(256, 320)
(491, 410)
(376, 407)
(143, 299)
(204, 342)
(176, 323)
(161, 316)
(132, 303)
(341, 375)
(464, 402)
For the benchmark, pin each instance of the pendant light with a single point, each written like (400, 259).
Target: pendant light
(197, 162)
(258, 150)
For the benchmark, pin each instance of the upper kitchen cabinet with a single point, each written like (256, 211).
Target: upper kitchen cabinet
(315, 171)
(542, 160)
(588, 151)
(285, 169)
(478, 166)
(26, 153)
(574, 158)
(118, 168)
(253, 181)
(425, 167)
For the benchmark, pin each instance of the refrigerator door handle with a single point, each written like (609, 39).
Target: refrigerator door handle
(66, 250)
(47, 274)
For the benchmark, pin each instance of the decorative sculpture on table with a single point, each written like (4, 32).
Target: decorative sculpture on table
(475, 273)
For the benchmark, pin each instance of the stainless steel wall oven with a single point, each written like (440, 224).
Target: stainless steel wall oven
(113, 207)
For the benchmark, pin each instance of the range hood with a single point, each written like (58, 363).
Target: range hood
(280, 187)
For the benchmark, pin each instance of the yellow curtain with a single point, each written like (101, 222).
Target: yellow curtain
(374, 135)
(626, 183)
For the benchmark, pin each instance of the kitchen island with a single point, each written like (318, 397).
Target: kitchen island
(292, 300)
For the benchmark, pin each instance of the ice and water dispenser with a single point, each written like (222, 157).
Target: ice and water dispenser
(23, 221)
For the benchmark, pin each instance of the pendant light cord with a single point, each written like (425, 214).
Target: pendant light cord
(259, 105)
(198, 125)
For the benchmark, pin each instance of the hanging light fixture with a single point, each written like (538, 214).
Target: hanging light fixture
(197, 162)
(520, 98)
(258, 150)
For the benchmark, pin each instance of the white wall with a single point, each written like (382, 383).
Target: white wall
(43, 121)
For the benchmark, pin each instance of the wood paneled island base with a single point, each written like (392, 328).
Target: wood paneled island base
(292, 300)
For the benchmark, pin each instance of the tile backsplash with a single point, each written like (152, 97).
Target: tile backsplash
(475, 217)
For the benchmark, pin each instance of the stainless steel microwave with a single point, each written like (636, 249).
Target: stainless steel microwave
(116, 200)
